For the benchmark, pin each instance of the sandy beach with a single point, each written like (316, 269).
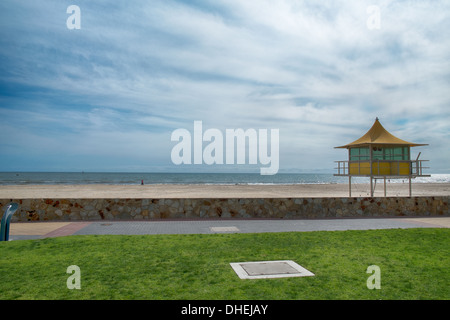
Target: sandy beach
(217, 191)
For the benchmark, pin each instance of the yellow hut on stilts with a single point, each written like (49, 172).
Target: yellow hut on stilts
(380, 155)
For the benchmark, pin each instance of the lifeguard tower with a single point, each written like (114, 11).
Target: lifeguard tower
(380, 155)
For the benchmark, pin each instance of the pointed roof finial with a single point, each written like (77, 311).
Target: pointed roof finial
(376, 119)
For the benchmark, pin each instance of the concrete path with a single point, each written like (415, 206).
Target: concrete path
(39, 230)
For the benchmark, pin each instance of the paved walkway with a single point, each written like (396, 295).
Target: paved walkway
(39, 230)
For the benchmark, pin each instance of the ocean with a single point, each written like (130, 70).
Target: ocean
(116, 178)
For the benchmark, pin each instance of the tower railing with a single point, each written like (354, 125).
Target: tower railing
(391, 168)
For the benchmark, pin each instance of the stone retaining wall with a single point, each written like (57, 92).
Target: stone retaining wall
(147, 209)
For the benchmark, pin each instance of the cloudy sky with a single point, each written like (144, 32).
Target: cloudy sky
(107, 96)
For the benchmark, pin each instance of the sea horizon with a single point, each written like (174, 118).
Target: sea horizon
(218, 178)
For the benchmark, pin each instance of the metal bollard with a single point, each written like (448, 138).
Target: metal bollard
(4, 231)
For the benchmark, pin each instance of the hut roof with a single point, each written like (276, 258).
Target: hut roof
(379, 135)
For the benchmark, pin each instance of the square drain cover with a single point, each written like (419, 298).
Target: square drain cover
(224, 229)
(269, 269)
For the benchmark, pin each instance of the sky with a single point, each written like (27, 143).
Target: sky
(107, 96)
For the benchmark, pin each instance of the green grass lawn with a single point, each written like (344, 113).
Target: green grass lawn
(414, 264)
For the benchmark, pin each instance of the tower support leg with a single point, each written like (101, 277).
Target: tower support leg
(410, 191)
(349, 186)
(371, 187)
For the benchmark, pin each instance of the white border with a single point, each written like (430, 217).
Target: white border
(302, 272)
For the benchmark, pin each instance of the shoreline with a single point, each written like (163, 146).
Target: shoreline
(193, 191)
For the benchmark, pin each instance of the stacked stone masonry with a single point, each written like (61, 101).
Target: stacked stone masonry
(287, 208)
